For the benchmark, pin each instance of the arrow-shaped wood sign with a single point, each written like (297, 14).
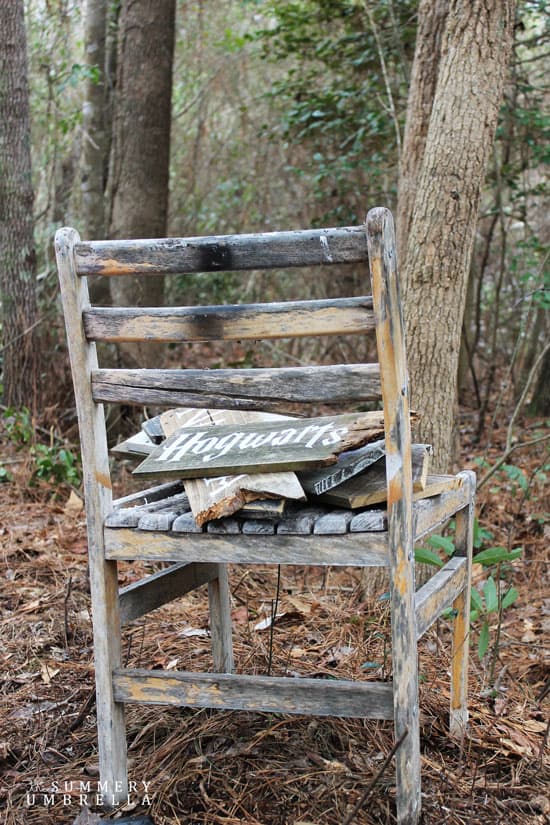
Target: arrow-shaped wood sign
(259, 447)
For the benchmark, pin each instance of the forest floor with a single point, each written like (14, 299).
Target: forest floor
(195, 766)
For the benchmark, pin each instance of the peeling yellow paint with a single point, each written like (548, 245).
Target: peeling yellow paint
(104, 480)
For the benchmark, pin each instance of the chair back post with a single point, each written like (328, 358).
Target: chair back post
(98, 497)
(390, 340)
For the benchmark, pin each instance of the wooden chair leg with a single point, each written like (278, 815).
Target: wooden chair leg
(111, 730)
(219, 598)
(458, 718)
(406, 720)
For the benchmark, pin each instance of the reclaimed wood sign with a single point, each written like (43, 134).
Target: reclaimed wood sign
(221, 496)
(259, 447)
(372, 486)
(348, 465)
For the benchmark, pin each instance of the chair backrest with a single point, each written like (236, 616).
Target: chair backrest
(271, 389)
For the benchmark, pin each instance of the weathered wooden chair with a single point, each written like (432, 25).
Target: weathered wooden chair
(202, 557)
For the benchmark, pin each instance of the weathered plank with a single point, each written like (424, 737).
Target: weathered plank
(299, 521)
(131, 516)
(185, 524)
(464, 537)
(150, 494)
(266, 390)
(258, 527)
(153, 428)
(354, 549)
(136, 446)
(338, 521)
(348, 465)
(369, 520)
(267, 694)
(429, 513)
(270, 446)
(390, 339)
(439, 593)
(215, 498)
(141, 597)
(371, 486)
(240, 322)
(98, 496)
(310, 247)
(224, 526)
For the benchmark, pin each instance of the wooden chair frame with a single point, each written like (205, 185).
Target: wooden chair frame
(411, 613)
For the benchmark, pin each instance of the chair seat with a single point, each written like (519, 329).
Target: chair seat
(165, 530)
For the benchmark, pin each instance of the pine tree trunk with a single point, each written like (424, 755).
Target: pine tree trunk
(141, 139)
(475, 51)
(17, 253)
(432, 16)
(94, 147)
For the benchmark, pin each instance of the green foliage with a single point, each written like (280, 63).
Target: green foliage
(53, 463)
(333, 98)
(489, 603)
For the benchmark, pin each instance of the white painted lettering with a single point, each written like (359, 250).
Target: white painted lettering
(204, 446)
(320, 432)
(284, 437)
(335, 436)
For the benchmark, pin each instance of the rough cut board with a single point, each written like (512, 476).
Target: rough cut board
(371, 487)
(348, 465)
(259, 447)
(139, 444)
(219, 497)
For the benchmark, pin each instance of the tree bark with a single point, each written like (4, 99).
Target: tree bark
(94, 149)
(17, 252)
(432, 16)
(475, 51)
(141, 139)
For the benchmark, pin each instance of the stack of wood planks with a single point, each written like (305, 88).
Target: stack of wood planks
(255, 463)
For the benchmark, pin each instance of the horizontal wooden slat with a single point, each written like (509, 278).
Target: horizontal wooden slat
(339, 316)
(439, 593)
(273, 390)
(354, 549)
(268, 694)
(432, 512)
(159, 588)
(266, 250)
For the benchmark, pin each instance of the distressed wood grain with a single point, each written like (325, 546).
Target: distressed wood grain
(141, 597)
(136, 446)
(150, 494)
(347, 466)
(439, 593)
(265, 390)
(98, 497)
(270, 446)
(240, 322)
(266, 694)
(371, 487)
(390, 340)
(354, 549)
(464, 542)
(219, 497)
(266, 250)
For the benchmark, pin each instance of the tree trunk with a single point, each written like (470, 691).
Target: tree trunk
(432, 16)
(17, 253)
(475, 51)
(141, 139)
(93, 122)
